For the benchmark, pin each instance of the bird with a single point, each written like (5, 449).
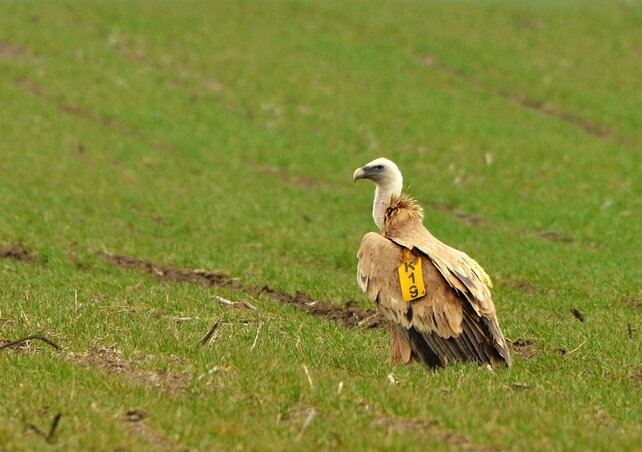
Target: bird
(436, 298)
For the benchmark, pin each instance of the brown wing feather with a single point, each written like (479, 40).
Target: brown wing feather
(377, 275)
(403, 225)
(457, 329)
(455, 320)
(458, 269)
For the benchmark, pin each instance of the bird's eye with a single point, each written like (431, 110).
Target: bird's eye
(379, 167)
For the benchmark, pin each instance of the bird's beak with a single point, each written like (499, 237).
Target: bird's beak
(360, 173)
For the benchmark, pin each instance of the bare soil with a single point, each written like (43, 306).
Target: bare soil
(431, 428)
(633, 302)
(471, 219)
(111, 361)
(521, 285)
(350, 316)
(283, 175)
(554, 236)
(173, 274)
(136, 420)
(524, 348)
(16, 252)
(9, 49)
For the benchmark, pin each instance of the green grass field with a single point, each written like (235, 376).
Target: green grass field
(223, 135)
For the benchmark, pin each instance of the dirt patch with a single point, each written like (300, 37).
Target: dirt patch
(173, 274)
(138, 56)
(584, 124)
(136, 421)
(633, 302)
(521, 285)
(296, 414)
(32, 87)
(471, 219)
(541, 107)
(187, 76)
(111, 361)
(524, 348)
(529, 23)
(636, 377)
(284, 176)
(299, 418)
(16, 252)
(9, 49)
(429, 428)
(350, 316)
(554, 236)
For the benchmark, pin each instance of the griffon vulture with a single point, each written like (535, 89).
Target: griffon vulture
(436, 298)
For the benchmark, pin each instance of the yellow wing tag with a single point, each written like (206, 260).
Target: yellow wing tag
(410, 277)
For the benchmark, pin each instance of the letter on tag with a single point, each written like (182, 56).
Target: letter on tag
(410, 277)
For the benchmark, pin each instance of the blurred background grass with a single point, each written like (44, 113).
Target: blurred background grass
(223, 136)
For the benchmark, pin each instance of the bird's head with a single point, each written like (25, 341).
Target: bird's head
(383, 172)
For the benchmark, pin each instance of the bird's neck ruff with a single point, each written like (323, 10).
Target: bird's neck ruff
(402, 208)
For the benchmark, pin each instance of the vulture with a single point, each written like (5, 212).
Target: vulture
(436, 298)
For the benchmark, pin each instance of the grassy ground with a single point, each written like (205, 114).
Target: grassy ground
(222, 136)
